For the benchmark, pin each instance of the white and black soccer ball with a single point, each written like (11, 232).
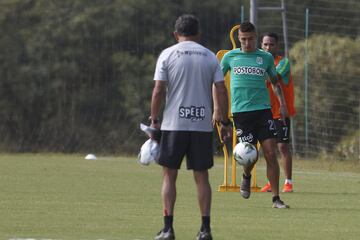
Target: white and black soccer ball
(245, 153)
(149, 152)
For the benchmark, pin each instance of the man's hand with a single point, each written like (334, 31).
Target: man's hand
(155, 125)
(226, 131)
(152, 131)
(216, 116)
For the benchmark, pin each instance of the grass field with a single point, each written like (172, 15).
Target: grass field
(53, 196)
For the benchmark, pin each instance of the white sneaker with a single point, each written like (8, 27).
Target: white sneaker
(280, 204)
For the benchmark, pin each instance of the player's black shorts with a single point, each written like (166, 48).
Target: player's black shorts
(254, 126)
(196, 146)
(283, 130)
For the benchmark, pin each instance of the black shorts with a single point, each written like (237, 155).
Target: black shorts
(254, 126)
(283, 130)
(196, 146)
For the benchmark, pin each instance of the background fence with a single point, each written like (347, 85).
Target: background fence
(76, 76)
(328, 95)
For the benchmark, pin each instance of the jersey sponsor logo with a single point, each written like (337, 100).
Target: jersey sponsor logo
(190, 53)
(192, 113)
(249, 71)
(248, 138)
(239, 132)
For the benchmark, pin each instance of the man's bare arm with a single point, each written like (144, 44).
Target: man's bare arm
(158, 96)
(279, 94)
(221, 101)
(221, 110)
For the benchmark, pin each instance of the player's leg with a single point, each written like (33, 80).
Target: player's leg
(203, 191)
(171, 162)
(266, 133)
(168, 190)
(286, 156)
(245, 186)
(272, 166)
(272, 170)
(200, 159)
(244, 124)
(279, 133)
(168, 195)
(285, 152)
(204, 200)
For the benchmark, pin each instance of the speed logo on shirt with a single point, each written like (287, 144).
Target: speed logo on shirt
(192, 113)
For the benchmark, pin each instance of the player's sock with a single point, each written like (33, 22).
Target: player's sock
(275, 198)
(205, 223)
(247, 177)
(289, 181)
(168, 222)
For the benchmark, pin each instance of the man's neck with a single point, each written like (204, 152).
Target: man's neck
(188, 38)
(249, 51)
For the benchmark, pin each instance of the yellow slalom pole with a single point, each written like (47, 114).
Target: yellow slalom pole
(233, 29)
(233, 165)
(223, 187)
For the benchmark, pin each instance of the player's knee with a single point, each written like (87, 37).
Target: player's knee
(283, 149)
(270, 156)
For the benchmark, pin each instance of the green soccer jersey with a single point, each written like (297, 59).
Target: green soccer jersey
(248, 72)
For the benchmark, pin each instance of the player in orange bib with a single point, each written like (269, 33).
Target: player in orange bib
(269, 43)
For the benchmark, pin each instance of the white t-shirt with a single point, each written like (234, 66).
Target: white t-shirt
(189, 70)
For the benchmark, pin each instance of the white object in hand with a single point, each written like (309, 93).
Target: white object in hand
(149, 152)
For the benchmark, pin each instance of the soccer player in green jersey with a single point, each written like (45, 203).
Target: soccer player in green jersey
(250, 104)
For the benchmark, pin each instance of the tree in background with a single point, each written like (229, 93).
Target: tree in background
(76, 74)
(333, 97)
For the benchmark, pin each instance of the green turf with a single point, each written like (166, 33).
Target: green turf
(52, 196)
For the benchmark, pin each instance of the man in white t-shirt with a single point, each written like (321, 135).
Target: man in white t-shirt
(184, 76)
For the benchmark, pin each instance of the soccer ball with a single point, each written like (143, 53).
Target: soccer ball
(245, 153)
(149, 152)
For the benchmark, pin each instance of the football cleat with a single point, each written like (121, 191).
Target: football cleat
(204, 235)
(288, 188)
(280, 204)
(266, 188)
(168, 235)
(245, 187)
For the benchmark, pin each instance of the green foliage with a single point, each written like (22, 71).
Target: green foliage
(76, 75)
(331, 77)
(348, 147)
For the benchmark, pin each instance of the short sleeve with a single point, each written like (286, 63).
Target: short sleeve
(218, 74)
(161, 70)
(271, 71)
(225, 64)
(283, 69)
